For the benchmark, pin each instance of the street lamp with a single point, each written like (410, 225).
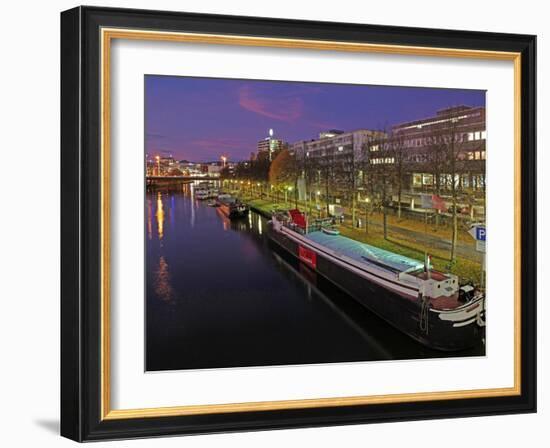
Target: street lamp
(289, 188)
(367, 209)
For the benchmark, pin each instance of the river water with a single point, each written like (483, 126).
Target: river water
(219, 294)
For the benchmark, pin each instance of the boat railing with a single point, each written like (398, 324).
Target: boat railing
(294, 227)
(318, 224)
(312, 226)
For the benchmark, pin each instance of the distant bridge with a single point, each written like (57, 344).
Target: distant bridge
(161, 180)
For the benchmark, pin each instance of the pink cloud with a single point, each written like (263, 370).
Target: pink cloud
(222, 143)
(282, 108)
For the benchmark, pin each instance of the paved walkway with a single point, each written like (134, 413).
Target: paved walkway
(462, 249)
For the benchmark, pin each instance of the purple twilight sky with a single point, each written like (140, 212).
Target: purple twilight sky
(199, 119)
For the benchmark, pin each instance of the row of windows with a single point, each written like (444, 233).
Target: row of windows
(464, 180)
(382, 160)
(444, 120)
(423, 141)
(328, 144)
(475, 155)
(478, 135)
(464, 137)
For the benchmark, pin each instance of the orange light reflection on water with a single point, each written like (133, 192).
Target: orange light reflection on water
(163, 288)
(160, 216)
(149, 219)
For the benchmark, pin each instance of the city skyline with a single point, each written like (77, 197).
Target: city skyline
(199, 119)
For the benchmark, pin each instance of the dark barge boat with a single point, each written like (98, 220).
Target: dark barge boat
(232, 207)
(427, 305)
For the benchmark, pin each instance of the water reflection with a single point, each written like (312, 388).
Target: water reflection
(160, 216)
(309, 279)
(191, 191)
(149, 219)
(163, 287)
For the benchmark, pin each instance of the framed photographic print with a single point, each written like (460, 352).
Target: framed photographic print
(274, 223)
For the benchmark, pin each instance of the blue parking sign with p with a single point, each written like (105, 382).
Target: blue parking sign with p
(480, 233)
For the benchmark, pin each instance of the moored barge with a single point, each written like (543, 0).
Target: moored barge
(232, 207)
(427, 305)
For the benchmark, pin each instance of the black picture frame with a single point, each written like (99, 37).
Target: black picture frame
(81, 224)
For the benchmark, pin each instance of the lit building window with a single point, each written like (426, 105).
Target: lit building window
(380, 160)
(427, 179)
(483, 135)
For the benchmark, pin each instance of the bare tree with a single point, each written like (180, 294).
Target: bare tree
(326, 166)
(380, 173)
(349, 167)
(448, 145)
(398, 155)
(368, 182)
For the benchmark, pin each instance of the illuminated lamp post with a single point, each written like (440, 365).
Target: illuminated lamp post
(367, 210)
(296, 202)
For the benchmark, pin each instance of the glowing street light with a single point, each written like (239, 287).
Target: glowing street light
(224, 160)
(367, 210)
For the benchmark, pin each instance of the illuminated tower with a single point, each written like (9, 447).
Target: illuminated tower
(269, 146)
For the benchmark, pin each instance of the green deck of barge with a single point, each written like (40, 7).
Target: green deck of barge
(365, 253)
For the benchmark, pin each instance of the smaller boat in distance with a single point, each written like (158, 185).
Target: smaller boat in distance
(201, 194)
(330, 230)
(232, 207)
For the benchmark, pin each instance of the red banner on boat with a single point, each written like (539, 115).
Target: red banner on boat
(307, 256)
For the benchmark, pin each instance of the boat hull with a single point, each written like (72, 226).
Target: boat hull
(232, 212)
(427, 326)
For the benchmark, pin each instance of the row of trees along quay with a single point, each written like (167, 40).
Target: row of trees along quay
(370, 186)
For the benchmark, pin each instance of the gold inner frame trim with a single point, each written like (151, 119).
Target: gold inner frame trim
(107, 35)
